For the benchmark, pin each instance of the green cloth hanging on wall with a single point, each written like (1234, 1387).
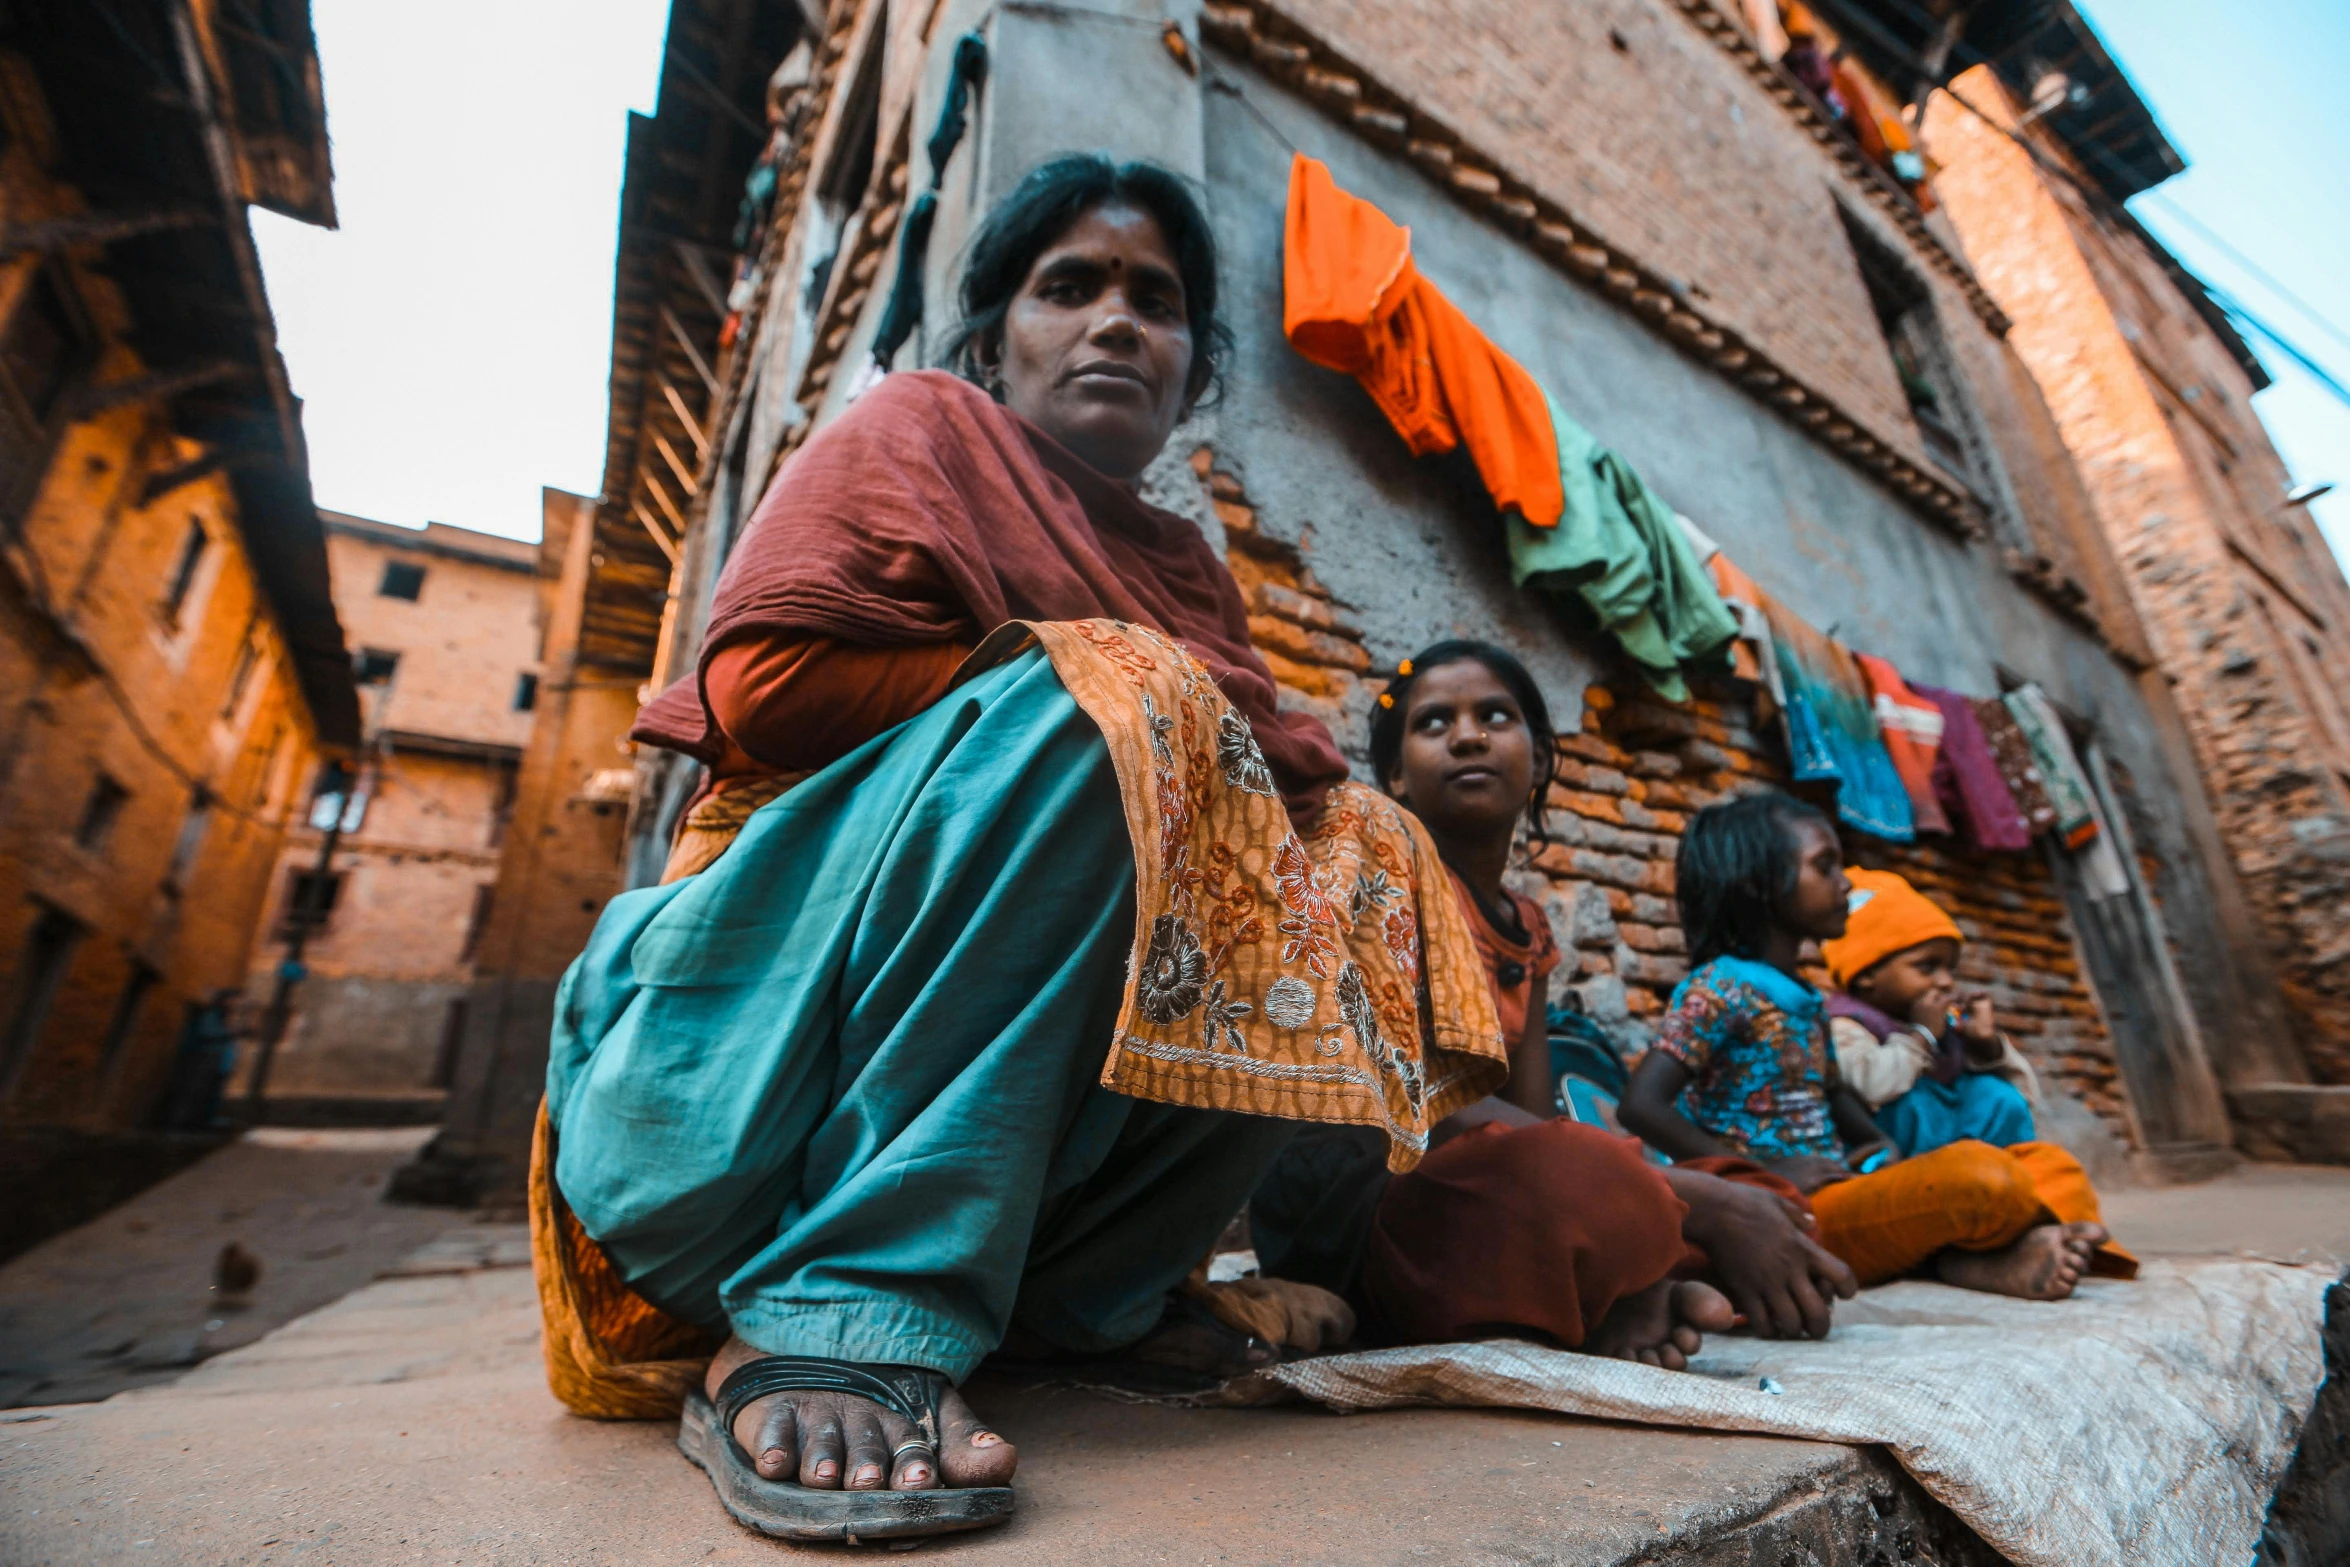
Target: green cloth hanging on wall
(1618, 551)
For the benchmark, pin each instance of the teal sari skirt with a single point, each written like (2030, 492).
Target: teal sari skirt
(840, 1092)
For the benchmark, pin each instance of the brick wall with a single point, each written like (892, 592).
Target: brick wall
(2240, 597)
(1630, 116)
(1631, 769)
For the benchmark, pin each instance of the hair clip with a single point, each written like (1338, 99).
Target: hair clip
(1386, 700)
(1404, 669)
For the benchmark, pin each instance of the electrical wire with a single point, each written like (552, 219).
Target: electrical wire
(2308, 311)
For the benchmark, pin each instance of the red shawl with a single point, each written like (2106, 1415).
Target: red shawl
(928, 512)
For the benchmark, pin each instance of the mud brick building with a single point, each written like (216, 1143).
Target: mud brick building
(440, 623)
(170, 661)
(1701, 264)
(2243, 602)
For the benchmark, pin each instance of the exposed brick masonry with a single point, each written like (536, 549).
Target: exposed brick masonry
(1628, 778)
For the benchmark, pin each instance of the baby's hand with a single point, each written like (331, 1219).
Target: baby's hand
(1979, 1027)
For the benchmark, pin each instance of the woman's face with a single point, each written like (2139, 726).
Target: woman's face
(1096, 348)
(1467, 762)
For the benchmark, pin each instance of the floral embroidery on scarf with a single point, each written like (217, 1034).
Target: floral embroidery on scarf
(1308, 929)
(1173, 973)
(1237, 753)
(1243, 926)
(1401, 928)
(1116, 648)
(1361, 1019)
(1174, 803)
(1373, 891)
(1224, 1018)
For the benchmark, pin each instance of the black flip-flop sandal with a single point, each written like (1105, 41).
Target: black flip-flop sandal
(790, 1511)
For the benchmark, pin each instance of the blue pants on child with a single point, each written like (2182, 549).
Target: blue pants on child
(1933, 1115)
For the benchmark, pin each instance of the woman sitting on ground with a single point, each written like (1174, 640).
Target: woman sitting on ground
(988, 1023)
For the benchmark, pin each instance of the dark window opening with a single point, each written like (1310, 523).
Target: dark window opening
(330, 796)
(401, 580)
(476, 921)
(311, 897)
(1905, 314)
(99, 812)
(183, 571)
(374, 666)
(44, 350)
(502, 804)
(843, 188)
(40, 974)
(125, 1021)
(191, 839)
(241, 674)
(526, 692)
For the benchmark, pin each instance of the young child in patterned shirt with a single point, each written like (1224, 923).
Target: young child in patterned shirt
(1743, 1066)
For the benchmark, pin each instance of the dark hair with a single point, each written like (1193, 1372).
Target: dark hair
(1387, 719)
(1040, 209)
(1736, 869)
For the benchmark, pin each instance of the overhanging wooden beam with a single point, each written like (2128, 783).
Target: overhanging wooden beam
(98, 228)
(98, 399)
(668, 506)
(693, 426)
(677, 465)
(686, 342)
(668, 544)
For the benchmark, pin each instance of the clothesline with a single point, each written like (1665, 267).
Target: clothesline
(1584, 529)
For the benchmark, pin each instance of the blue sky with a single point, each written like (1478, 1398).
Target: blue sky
(2252, 95)
(452, 340)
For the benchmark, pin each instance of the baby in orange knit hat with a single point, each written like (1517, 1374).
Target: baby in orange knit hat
(1929, 1061)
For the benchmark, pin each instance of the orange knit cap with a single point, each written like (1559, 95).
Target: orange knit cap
(1888, 916)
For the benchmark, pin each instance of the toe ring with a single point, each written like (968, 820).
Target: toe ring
(912, 1445)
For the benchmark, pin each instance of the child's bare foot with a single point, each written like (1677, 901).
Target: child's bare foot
(2044, 1265)
(1662, 1325)
(2084, 1238)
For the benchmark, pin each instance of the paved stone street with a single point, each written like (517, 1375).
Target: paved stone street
(409, 1421)
(128, 1298)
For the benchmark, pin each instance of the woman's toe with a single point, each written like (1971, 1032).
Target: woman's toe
(972, 1453)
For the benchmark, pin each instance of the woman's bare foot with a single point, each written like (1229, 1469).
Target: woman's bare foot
(833, 1441)
(2044, 1265)
(1662, 1325)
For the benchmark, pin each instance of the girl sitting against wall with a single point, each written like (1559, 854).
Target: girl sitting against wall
(1743, 1067)
(1520, 1221)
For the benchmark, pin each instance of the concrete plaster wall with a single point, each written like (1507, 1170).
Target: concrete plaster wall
(1410, 548)
(363, 1034)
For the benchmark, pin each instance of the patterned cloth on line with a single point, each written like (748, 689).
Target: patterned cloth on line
(1832, 728)
(2144, 1424)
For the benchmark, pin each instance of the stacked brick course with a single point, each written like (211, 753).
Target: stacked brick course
(1631, 770)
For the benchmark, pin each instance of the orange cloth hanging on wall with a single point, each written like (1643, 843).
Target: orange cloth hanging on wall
(1353, 302)
(1913, 737)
